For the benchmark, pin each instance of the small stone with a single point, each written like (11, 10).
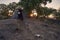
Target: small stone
(37, 35)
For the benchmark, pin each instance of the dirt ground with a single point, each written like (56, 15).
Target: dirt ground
(13, 29)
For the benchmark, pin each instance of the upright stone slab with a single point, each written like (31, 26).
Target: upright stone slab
(18, 14)
(15, 14)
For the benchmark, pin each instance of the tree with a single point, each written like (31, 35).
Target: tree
(58, 14)
(3, 11)
(29, 5)
(48, 11)
(12, 6)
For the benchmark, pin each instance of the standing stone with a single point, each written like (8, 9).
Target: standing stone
(15, 14)
(18, 14)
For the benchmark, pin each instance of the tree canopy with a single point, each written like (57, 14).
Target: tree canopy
(12, 6)
(33, 3)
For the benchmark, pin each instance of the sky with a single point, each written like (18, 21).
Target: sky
(8, 1)
(54, 4)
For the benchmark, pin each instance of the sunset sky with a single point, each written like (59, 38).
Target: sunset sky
(55, 3)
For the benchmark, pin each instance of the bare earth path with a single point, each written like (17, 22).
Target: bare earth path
(13, 29)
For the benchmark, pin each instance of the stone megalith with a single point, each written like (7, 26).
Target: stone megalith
(15, 14)
(18, 14)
